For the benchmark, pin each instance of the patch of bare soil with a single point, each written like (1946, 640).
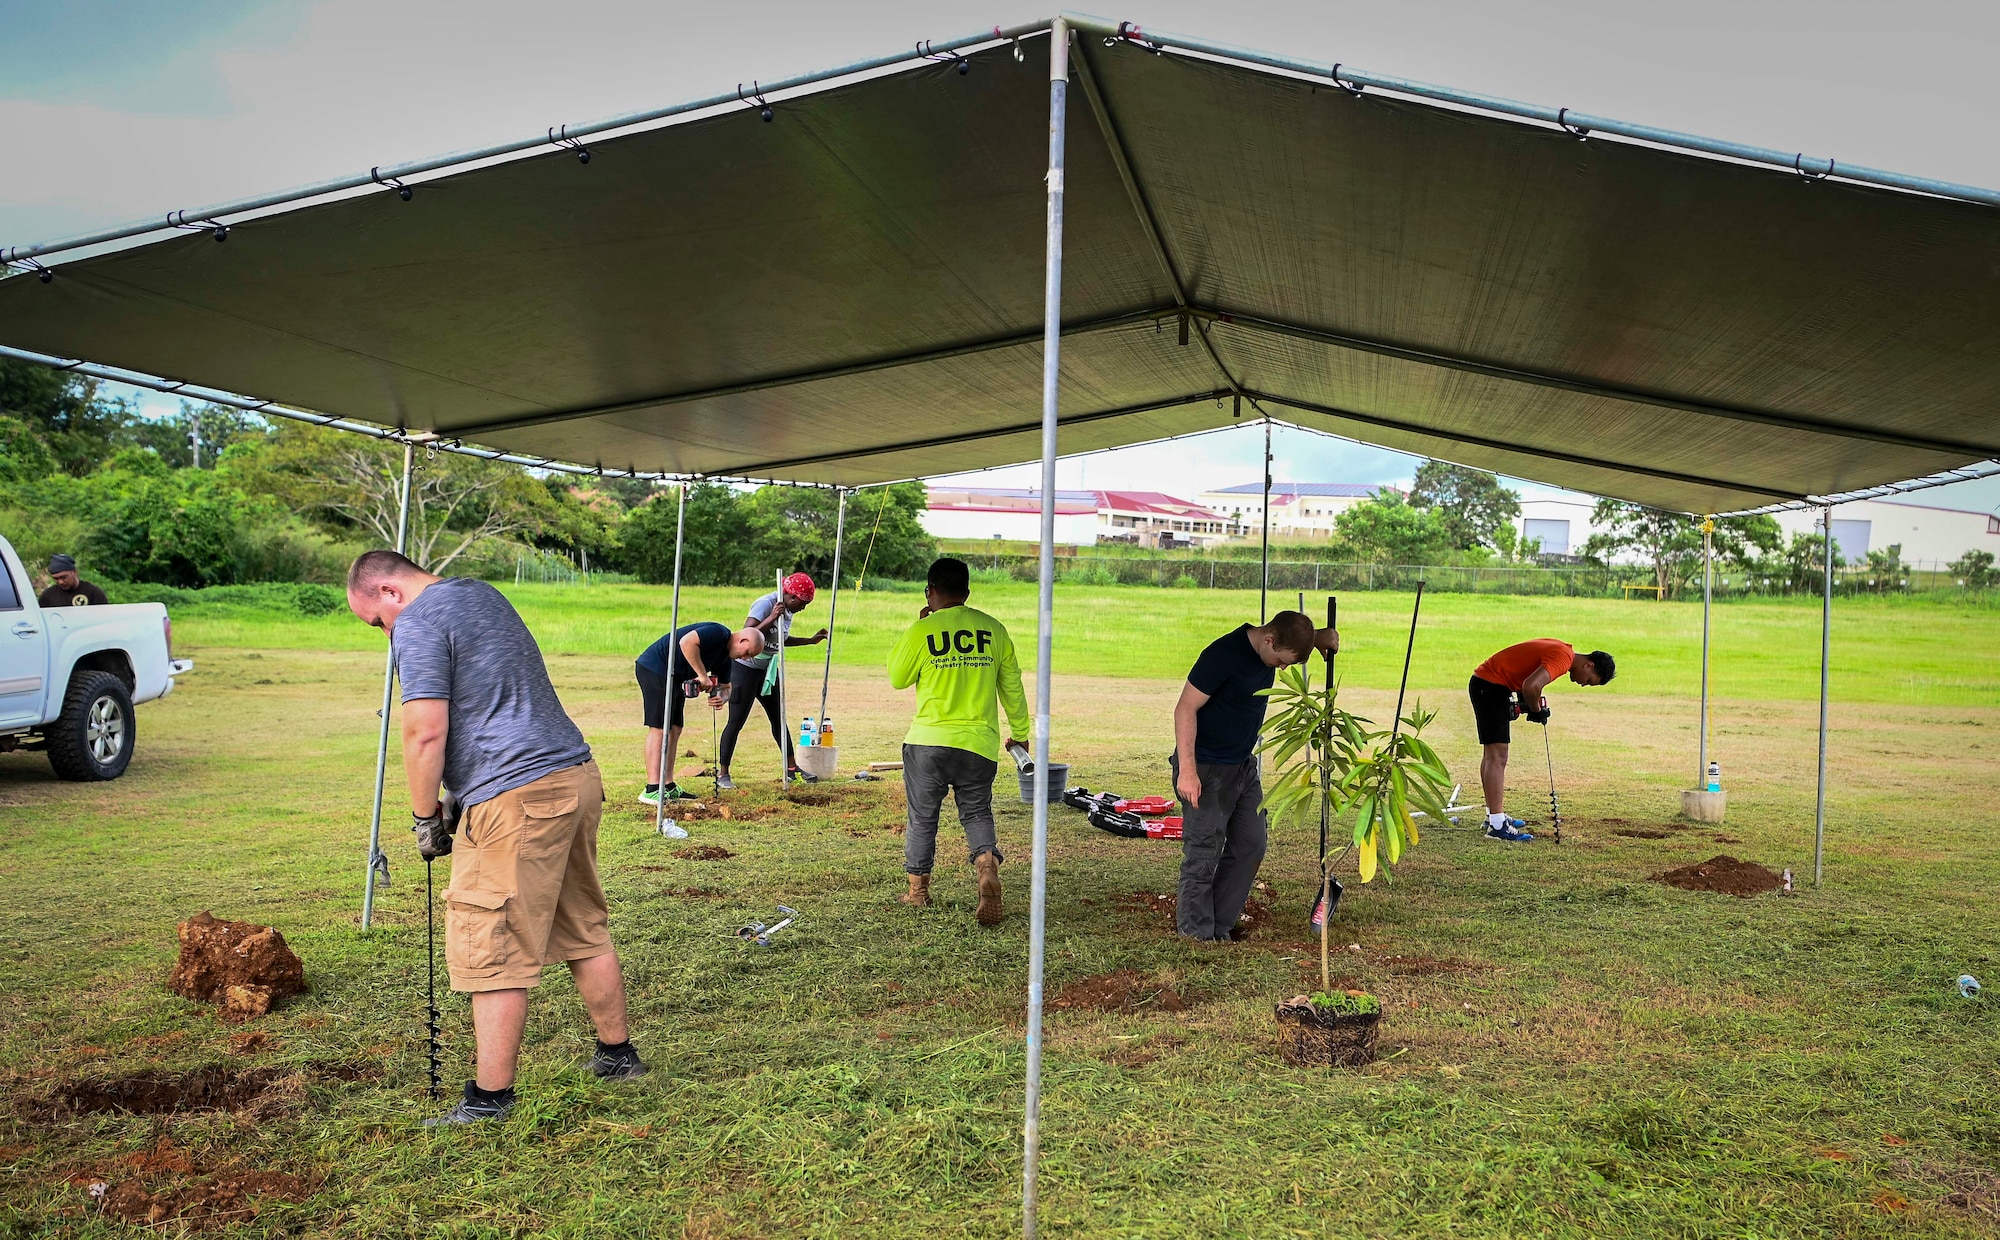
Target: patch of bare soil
(815, 797)
(250, 1092)
(1635, 833)
(1723, 874)
(703, 852)
(221, 1199)
(1126, 990)
(1727, 839)
(1257, 915)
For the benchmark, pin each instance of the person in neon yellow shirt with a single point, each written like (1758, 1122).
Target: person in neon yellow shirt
(963, 666)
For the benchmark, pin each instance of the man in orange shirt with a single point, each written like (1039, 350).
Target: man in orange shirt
(1510, 684)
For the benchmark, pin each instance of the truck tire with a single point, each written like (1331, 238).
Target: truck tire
(94, 737)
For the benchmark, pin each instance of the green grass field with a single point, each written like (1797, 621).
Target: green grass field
(1570, 1049)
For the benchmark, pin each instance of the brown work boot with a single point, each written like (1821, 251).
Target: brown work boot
(987, 866)
(919, 893)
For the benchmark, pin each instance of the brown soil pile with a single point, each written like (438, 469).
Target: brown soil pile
(244, 967)
(1724, 874)
(1126, 990)
(245, 1091)
(703, 852)
(815, 798)
(225, 1198)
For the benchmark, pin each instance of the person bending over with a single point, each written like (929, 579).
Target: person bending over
(701, 662)
(754, 682)
(962, 663)
(480, 717)
(1509, 684)
(1215, 766)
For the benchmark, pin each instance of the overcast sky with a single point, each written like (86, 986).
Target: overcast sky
(119, 109)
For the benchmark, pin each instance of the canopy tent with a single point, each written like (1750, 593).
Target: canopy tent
(847, 294)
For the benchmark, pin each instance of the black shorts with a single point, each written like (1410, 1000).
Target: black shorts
(658, 704)
(1493, 707)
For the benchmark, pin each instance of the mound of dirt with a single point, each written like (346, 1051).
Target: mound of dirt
(1125, 990)
(251, 1091)
(225, 1198)
(703, 852)
(1724, 874)
(1256, 916)
(242, 966)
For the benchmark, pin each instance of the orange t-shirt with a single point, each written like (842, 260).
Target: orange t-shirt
(1511, 666)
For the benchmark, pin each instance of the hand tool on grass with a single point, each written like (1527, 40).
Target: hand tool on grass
(760, 934)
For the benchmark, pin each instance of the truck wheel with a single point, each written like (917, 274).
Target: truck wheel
(94, 737)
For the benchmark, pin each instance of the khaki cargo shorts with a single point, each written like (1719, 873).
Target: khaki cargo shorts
(524, 892)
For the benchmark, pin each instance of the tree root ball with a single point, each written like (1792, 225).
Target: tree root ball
(242, 967)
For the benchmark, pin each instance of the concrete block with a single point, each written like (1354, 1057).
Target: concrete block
(1702, 805)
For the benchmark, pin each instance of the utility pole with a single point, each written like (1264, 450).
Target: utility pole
(194, 436)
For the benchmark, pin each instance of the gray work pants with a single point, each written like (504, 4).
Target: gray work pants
(1222, 844)
(929, 771)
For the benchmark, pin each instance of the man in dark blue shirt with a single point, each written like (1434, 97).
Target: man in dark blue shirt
(1215, 766)
(702, 653)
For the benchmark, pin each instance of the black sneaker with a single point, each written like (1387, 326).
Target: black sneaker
(472, 1110)
(623, 1064)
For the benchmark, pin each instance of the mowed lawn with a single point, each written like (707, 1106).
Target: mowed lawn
(1570, 1048)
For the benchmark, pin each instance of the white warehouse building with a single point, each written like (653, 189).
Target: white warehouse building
(1932, 537)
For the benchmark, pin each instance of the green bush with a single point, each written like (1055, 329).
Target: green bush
(304, 599)
(1184, 582)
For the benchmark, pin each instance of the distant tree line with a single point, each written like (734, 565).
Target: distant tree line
(281, 501)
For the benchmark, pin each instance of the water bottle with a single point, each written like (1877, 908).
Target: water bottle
(1715, 777)
(1968, 986)
(806, 732)
(1788, 880)
(825, 735)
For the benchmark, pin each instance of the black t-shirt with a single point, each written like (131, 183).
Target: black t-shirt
(85, 595)
(1230, 673)
(714, 645)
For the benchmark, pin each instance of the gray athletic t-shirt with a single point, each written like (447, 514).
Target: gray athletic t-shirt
(464, 642)
(759, 612)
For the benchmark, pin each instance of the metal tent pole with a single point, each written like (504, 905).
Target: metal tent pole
(784, 699)
(1707, 601)
(378, 862)
(673, 652)
(1045, 615)
(1264, 580)
(1825, 651)
(833, 606)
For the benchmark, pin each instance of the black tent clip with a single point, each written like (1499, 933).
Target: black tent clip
(403, 191)
(44, 274)
(1352, 88)
(756, 93)
(179, 219)
(1799, 166)
(561, 138)
(1562, 121)
(947, 57)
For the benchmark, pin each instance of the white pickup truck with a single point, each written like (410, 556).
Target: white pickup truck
(69, 676)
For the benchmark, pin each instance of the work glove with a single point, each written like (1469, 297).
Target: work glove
(1539, 716)
(434, 832)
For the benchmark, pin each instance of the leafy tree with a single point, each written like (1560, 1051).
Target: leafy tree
(221, 428)
(1886, 571)
(1477, 511)
(1671, 541)
(23, 455)
(459, 505)
(1974, 570)
(1386, 529)
(80, 429)
(793, 529)
(716, 550)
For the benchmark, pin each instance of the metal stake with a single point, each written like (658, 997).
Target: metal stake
(1045, 614)
(832, 607)
(1825, 651)
(432, 1017)
(784, 710)
(673, 652)
(378, 861)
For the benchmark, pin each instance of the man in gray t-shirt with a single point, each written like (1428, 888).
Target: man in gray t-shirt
(481, 717)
